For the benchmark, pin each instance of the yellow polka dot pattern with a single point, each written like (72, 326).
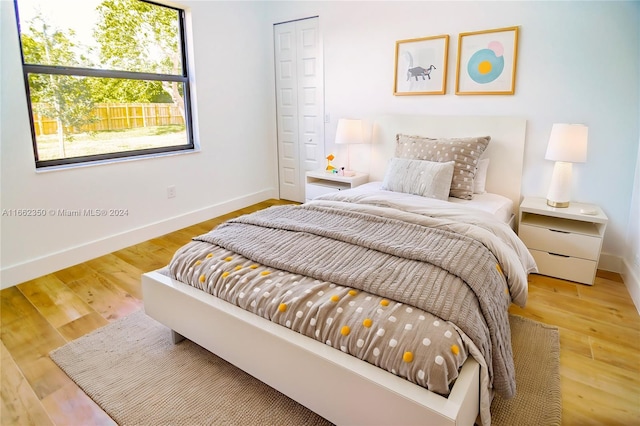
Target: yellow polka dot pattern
(235, 269)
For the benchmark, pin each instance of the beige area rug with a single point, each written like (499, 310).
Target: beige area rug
(133, 371)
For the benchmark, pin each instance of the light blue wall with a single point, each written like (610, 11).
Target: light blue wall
(631, 269)
(578, 62)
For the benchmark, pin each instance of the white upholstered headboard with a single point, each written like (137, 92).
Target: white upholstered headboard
(506, 149)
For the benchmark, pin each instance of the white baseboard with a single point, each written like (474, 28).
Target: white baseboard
(34, 268)
(629, 274)
(609, 262)
(632, 280)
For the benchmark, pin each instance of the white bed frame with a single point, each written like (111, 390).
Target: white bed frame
(337, 386)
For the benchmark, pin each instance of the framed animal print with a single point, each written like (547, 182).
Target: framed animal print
(486, 62)
(421, 66)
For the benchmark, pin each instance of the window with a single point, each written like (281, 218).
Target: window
(104, 79)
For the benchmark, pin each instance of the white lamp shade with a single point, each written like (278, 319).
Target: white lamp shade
(568, 143)
(349, 131)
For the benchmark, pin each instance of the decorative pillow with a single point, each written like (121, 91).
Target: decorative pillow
(480, 181)
(425, 178)
(464, 151)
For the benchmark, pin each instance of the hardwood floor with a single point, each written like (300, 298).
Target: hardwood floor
(599, 334)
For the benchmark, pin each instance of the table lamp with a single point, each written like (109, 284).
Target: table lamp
(349, 132)
(567, 145)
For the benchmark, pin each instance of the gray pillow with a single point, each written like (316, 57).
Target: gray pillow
(425, 178)
(465, 152)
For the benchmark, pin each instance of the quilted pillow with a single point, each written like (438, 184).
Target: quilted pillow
(465, 152)
(425, 178)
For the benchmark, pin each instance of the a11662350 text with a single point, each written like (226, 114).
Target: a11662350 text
(24, 212)
(82, 212)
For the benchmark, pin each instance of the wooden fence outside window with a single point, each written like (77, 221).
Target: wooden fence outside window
(117, 116)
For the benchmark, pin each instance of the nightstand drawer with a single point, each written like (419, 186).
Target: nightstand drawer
(568, 268)
(313, 191)
(559, 242)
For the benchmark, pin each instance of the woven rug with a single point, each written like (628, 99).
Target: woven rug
(131, 369)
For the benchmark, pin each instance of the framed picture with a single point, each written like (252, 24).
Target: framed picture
(421, 66)
(486, 63)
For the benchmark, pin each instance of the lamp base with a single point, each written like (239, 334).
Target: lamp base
(560, 188)
(558, 204)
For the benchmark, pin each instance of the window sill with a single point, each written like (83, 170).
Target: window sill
(48, 169)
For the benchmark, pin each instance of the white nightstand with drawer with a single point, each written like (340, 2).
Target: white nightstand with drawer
(320, 182)
(565, 242)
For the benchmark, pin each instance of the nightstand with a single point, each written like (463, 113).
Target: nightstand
(565, 242)
(320, 182)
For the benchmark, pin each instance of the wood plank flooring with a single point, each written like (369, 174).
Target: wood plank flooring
(599, 334)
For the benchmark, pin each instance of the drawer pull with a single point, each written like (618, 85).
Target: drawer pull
(559, 255)
(561, 232)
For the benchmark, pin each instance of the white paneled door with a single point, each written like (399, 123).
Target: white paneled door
(300, 104)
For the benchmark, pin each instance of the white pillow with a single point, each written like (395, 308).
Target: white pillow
(480, 180)
(419, 177)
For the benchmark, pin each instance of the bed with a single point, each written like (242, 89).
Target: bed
(322, 344)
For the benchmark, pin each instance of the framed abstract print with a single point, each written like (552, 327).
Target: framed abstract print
(486, 62)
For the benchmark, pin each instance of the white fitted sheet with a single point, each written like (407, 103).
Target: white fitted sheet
(497, 205)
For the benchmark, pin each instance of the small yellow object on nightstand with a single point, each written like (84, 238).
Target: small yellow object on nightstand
(330, 158)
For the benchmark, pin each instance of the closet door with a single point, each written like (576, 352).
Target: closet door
(300, 104)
